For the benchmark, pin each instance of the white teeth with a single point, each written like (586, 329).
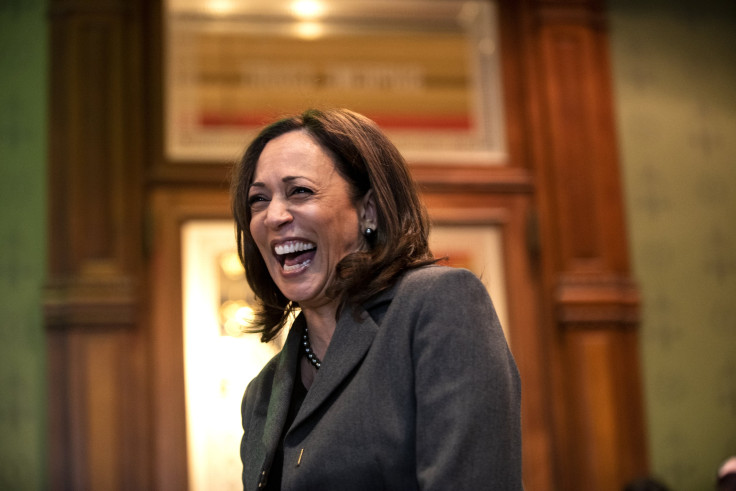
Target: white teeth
(290, 247)
(297, 266)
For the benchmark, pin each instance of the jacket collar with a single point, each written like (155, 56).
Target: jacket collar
(282, 386)
(348, 346)
(353, 336)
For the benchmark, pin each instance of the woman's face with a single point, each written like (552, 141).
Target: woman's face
(302, 217)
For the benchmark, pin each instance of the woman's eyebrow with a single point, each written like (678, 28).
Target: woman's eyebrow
(259, 184)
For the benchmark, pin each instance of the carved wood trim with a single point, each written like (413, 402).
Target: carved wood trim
(170, 208)
(600, 300)
(580, 158)
(93, 298)
(94, 164)
(91, 301)
(591, 304)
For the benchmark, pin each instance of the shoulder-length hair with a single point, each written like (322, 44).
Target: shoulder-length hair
(367, 160)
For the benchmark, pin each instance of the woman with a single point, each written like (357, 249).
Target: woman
(395, 373)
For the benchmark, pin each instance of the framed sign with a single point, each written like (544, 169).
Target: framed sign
(427, 71)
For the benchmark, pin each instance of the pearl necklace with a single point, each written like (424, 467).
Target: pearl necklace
(316, 362)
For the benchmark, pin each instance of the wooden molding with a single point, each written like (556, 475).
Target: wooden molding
(591, 306)
(94, 296)
(170, 209)
(589, 301)
(503, 179)
(92, 302)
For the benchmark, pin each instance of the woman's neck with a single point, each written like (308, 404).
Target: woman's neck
(321, 323)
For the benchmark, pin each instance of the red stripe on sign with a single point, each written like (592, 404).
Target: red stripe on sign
(393, 121)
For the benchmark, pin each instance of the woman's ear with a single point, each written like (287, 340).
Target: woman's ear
(367, 210)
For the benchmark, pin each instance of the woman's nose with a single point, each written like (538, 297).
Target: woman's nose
(277, 213)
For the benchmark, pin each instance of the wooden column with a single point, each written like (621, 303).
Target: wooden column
(96, 354)
(591, 303)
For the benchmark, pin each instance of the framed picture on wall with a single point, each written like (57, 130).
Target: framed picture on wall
(427, 71)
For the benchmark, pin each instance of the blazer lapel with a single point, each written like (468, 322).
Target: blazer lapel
(283, 385)
(348, 346)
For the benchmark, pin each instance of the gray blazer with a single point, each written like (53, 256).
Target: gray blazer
(419, 392)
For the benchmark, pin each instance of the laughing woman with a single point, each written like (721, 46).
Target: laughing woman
(395, 373)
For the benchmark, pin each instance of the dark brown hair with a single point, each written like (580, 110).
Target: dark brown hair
(367, 160)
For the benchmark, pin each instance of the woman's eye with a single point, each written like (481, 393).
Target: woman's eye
(256, 199)
(301, 190)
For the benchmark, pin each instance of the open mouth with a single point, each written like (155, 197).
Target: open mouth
(295, 254)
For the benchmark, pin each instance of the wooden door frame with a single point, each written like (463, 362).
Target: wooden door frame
(170, 209)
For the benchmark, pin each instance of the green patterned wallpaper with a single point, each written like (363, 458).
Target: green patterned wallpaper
(22, 244)
(675, 78)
